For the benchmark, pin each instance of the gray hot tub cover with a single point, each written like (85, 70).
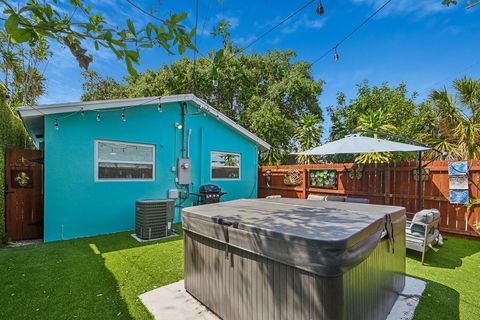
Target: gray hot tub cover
(325, 238)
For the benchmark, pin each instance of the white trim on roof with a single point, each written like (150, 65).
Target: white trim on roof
(47, 109)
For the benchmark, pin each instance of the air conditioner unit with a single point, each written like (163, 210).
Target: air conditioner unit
(153, 218)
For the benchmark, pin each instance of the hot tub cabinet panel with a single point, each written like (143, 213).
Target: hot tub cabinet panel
(251, 277)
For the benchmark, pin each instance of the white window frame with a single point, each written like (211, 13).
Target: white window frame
(96, 160)
(226, 179)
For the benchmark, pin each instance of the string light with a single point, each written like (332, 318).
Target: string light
(178, 126)
(159, 108)
(56, 124)
(320, 8)
(215, 83)
(82, 113)
(336, 56)
(98, 116)
(123, 116)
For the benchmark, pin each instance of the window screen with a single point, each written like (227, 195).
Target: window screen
(225, 165)
(124, 161)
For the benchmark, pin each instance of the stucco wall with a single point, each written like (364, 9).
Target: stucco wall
(77, 206)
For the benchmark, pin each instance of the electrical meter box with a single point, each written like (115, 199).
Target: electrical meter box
(184, 171)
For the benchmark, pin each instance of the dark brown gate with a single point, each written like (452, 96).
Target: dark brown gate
(24, 194)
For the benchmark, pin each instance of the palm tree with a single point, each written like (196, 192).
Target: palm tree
(308, 133)
(457, 120)
(379, 121)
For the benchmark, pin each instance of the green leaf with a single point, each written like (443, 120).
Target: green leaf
(118, 43)
(149, 29)
(146, 45)
(179, 17)
(96, 45)
(21, 35)
(130, 68)
(131, 27)
(133, 55)
(11, 24)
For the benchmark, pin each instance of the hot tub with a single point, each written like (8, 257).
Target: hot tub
(295, 259)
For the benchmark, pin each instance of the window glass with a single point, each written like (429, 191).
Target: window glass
(225, 165)
(124, 161)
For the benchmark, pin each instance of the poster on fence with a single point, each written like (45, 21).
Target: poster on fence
(457, 168)
(458, 182)
(458, 196)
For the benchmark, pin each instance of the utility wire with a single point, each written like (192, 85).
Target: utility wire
(251, 43)
(351, 33)
(263, 35)
(432, 87)
(260, 37)
(206, 17)
(195, 50)
(145, 12)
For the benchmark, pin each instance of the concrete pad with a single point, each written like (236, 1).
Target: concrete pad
(173, 302)
(408, 300)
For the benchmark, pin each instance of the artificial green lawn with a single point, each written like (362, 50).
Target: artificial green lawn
(101, 278)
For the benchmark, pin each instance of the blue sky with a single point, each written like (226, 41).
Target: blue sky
(419, 42)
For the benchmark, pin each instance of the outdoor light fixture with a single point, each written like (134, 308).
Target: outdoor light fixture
(82, 113)
(123, 116)
(336, 57)
(159, 108)
(178, 126)
(98, 116)
(56, 124)
(320, 8)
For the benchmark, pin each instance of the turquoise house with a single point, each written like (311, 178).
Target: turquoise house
(101, 156)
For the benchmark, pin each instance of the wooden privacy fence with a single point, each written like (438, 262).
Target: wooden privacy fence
(390, 184)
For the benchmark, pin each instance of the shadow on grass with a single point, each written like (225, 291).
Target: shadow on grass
(438, 302)
(58, 281)
(450, 255)
(89, 278)
(107, 244)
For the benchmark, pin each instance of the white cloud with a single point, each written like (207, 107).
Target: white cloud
(234, 21)
(420, 8)
(243, 41)
(305, 22)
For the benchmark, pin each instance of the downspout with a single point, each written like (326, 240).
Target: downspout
(183, 114)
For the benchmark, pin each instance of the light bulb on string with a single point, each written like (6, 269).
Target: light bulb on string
(82, 112)
(98, 116)
(320, 8)
(56, 124)
(123, 116)
(159, 108)
(336, 56)
(215, 83)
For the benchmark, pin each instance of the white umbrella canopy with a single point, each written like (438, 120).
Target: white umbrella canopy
(356, 143)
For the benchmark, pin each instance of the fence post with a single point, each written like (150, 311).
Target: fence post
(304, 184)
(386, 189)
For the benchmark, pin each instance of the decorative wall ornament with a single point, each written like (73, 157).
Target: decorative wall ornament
(22, 179)
(23, 162)
(355, 172)
(292, 177)
(323, 178)
(425, 174)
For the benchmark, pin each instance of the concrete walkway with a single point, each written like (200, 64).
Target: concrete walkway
(173, 302)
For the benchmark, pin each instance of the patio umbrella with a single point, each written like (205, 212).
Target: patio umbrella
(356, 143)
